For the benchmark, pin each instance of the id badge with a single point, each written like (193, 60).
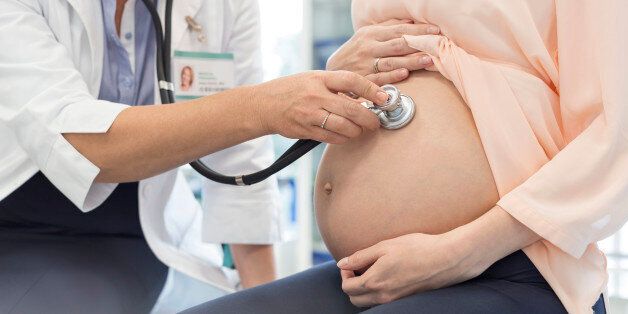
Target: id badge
(198, 74)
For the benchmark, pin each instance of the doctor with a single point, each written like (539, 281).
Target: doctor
(71, 73)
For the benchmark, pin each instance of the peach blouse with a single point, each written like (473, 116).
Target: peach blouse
(547, 83)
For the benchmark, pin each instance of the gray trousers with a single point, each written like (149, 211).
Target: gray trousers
(66, 274)
(56, 259)
(512, 285)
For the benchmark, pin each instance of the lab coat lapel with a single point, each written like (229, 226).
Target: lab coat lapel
(90, 14)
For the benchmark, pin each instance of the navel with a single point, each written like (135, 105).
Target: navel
(328, 188)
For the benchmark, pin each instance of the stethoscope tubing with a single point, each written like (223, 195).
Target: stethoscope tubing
(166, 92)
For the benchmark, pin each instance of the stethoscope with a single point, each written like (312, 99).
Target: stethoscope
(396, 113)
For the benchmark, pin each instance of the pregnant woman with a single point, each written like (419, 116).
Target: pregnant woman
(492, 199)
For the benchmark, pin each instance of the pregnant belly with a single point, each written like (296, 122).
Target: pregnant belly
(430, 177)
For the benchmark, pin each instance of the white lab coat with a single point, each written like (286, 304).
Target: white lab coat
(50, 72)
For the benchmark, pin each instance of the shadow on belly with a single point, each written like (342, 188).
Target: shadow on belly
(429, 177)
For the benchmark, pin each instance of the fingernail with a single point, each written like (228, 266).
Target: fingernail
(343, 262)
(382, 97)
(433, 29)
(425, 60)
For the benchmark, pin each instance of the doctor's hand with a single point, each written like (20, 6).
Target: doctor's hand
(406, 265)
(381, 54)
(309, 106)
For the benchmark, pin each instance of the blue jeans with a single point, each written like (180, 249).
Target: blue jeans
(511, 285)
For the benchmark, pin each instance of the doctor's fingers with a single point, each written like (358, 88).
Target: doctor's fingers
(322, 135)
(337, 124)
(352, 112)
(349, 82)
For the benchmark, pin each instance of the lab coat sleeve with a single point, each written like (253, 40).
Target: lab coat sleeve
(44, 96)
(581, 195)
(233, 214)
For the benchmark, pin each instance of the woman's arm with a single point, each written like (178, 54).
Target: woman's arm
(420, 262)
(255, 263)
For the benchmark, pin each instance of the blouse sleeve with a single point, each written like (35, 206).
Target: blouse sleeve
(581, 195)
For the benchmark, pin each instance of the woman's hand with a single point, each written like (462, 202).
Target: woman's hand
(383, 41)
(419, 262)
(309, 106)
(406, 265)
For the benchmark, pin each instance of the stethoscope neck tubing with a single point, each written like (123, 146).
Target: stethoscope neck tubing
(296, 151)
(162, 50)
(166, 93)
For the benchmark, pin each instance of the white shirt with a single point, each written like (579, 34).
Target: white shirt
(50, 71)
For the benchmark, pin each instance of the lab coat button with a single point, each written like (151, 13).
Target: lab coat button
(128, 36)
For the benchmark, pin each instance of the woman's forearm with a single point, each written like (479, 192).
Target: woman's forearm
(419, 262)
(492, 236)
(255, 263)
(146, 140)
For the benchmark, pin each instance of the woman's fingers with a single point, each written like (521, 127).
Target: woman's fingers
(390, 77)
(388, 32)
(355, 288)
(367, 289)
(411, 62)
(365, 300)
(362, 258)
(392, 48)
(346, 274)
(355, 285)
(396, 22)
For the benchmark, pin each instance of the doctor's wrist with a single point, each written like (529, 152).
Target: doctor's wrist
(256, 107)
(246, 105)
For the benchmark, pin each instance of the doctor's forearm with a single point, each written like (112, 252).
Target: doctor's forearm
(147, 140)
(144, 141)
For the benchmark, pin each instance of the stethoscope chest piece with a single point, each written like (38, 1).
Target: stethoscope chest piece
(398, 111)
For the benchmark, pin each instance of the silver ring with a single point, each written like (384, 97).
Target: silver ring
(325, 120)
(376, 65)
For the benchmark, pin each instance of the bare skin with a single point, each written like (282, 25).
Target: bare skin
(429, 177)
